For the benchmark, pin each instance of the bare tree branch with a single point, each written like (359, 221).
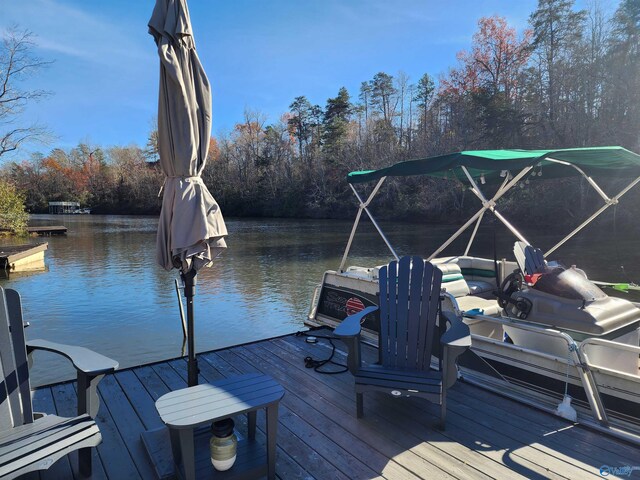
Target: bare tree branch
(18, 63)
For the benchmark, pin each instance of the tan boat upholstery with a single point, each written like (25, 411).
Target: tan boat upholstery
(455, 283)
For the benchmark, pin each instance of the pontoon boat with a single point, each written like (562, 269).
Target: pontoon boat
(542, 333)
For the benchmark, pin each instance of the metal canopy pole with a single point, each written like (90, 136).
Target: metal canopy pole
(510, 227)
(363, 206)
(473, 234)
(486, 205)
(476, 190)
(457, 234)
(503, 188)
(591, 181)
(608, 203)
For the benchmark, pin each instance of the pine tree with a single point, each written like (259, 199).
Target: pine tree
(622, 89)
(557, 31)
(423, 95)
(336, 119)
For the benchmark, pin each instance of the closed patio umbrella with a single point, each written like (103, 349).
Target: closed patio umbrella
(191, 229)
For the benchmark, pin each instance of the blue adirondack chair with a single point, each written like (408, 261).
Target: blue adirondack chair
(409, 306)
(31, 441)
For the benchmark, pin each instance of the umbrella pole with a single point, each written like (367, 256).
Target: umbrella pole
(189, 280)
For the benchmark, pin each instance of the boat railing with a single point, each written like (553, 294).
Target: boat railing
(598, 342)
(574, 354)
(314, 301)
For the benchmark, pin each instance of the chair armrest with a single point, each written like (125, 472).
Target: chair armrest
(455, 341)
(349, 332)
(84, 360)
(90, 367)
(350, 326)
(458, 334)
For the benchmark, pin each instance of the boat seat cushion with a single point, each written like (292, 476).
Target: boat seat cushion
(472, 302)
(473, 268)
(452, 280)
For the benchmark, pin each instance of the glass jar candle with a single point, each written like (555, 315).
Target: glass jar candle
(223, 445)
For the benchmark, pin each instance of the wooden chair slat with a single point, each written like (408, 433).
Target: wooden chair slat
(402, 312)
(16, 323)
(11, 401)
(413, 314)
(432, 286)
(383, 344)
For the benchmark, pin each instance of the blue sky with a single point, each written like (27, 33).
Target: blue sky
(259, 55)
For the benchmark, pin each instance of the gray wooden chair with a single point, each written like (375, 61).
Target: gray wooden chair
(409, 306)
(30, 441)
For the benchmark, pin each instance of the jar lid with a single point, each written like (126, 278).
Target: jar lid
(222, 428)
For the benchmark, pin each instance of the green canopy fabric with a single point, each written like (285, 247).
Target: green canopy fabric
(612, 161)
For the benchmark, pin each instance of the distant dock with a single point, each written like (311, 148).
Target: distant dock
(48, 230)
(23, 258)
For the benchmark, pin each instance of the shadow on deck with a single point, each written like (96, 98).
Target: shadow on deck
(487, 436)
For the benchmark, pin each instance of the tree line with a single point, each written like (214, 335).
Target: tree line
(571, 79)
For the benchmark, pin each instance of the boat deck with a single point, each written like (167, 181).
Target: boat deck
(487, 436)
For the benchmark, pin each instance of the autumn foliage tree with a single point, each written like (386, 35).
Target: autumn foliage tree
(489, 82)
(571, 79)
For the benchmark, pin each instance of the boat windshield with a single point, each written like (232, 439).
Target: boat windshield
(569, 283)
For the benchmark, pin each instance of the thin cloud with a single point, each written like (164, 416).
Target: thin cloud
(58, 47)
(71, 31)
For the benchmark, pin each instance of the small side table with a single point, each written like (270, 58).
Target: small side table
(186, 409)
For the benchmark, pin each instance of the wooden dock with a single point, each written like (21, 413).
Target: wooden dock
(487, 436)
(47, 231)
(23, 258)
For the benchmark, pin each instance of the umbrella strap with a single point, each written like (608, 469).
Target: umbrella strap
(189, 179)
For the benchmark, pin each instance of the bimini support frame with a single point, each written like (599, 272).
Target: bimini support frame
(506, 186)
(487, 205)
(607, 202)
(363, 207)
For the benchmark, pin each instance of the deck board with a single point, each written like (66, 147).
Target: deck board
(287, 467)
(295, 459)
(351, 454)
(127, 422)
(381, 443)
(487, 436)
(65, 399)
(43, 397)
(438, 444)
(428, 442)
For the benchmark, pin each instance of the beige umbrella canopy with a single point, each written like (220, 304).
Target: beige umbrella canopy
(191, 230)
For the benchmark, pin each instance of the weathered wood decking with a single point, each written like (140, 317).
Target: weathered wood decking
(47, 231)
(487, 436)
(23, 258)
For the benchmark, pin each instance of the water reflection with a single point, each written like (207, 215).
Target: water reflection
(104, 290)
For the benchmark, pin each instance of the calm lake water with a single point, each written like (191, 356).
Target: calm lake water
(103, 290)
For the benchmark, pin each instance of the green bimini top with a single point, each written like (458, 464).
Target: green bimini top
(594, 161)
